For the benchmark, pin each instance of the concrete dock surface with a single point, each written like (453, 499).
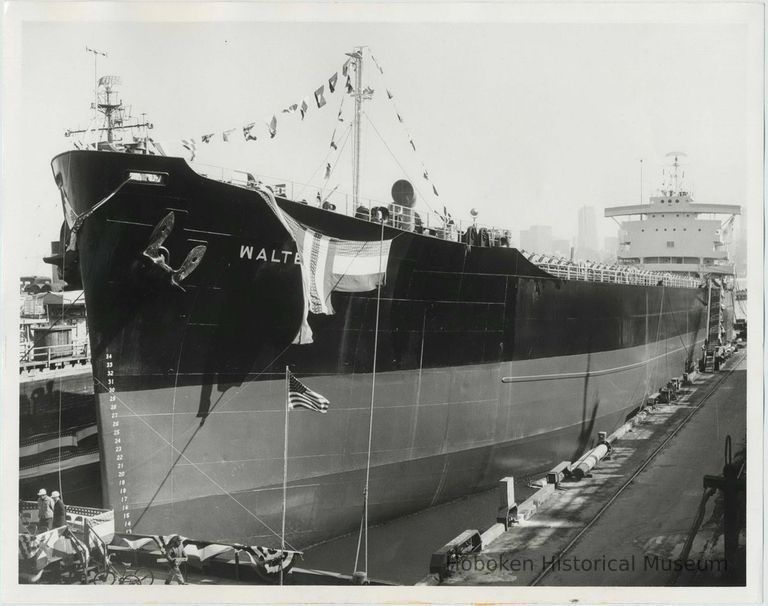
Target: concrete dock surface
(639, 537)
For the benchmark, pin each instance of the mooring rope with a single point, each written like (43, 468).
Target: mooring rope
(364, 521)
(196, 467)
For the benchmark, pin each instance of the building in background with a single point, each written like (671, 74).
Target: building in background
(537, 238)
(610, 249)
(561, 247)
(586, 237)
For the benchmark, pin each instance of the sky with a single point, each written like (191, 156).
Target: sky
(525, 122)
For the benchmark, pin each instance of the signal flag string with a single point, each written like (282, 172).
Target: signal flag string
(399, 116)
(268, 126)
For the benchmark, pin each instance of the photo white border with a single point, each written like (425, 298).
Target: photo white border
(17, 12)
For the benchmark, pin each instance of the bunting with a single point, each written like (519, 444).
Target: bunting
(200, 553)
(320, 96)
(398, 115)
(330, 264)
(247, 132)
(328, 170)
(376, 63)
(189, 145)
(251, 134)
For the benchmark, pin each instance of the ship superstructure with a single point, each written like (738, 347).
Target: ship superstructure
(672, 233)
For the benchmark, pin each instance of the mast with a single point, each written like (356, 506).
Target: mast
(95, 75)
(357, 124)
(116, 118)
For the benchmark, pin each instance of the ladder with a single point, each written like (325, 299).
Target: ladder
(714, 324)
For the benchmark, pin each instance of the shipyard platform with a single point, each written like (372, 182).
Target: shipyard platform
(643, 516)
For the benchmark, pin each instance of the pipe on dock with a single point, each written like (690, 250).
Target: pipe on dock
(587, 462)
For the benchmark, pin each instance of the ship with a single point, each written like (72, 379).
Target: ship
(448, 358)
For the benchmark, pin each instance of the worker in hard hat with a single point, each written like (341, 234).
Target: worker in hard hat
(44, 511)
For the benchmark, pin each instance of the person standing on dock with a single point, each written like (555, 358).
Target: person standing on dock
(174, 551)
(44, 511)
(59, 510)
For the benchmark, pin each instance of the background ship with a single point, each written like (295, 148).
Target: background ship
(489, 362)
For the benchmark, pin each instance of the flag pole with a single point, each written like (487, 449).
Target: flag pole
(285, 470)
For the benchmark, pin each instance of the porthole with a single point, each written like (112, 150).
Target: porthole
(677, 201)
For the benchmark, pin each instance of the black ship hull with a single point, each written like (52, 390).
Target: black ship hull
(190, 384)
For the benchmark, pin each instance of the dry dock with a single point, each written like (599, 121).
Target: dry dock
(628, 521)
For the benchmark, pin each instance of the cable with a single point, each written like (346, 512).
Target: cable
(370, 418)
(325, 160)
(223, 490)
(398, 163)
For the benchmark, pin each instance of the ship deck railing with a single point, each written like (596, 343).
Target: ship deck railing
(402, 217)
(614, 274)
(432, 224)
(54, 356)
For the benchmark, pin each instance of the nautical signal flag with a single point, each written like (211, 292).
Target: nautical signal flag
(301, 396)
(332, 82)
(247, 132)
(189, 145)
(272, 126)
(320, 96)
(207, 138)
(303, 108)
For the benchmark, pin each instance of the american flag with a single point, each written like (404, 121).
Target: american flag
(300, 396)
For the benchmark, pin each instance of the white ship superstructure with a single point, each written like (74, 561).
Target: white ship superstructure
(675, 234)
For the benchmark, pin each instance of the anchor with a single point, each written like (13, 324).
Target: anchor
(160, 255)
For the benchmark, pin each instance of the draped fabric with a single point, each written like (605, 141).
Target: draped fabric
(329, 264)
